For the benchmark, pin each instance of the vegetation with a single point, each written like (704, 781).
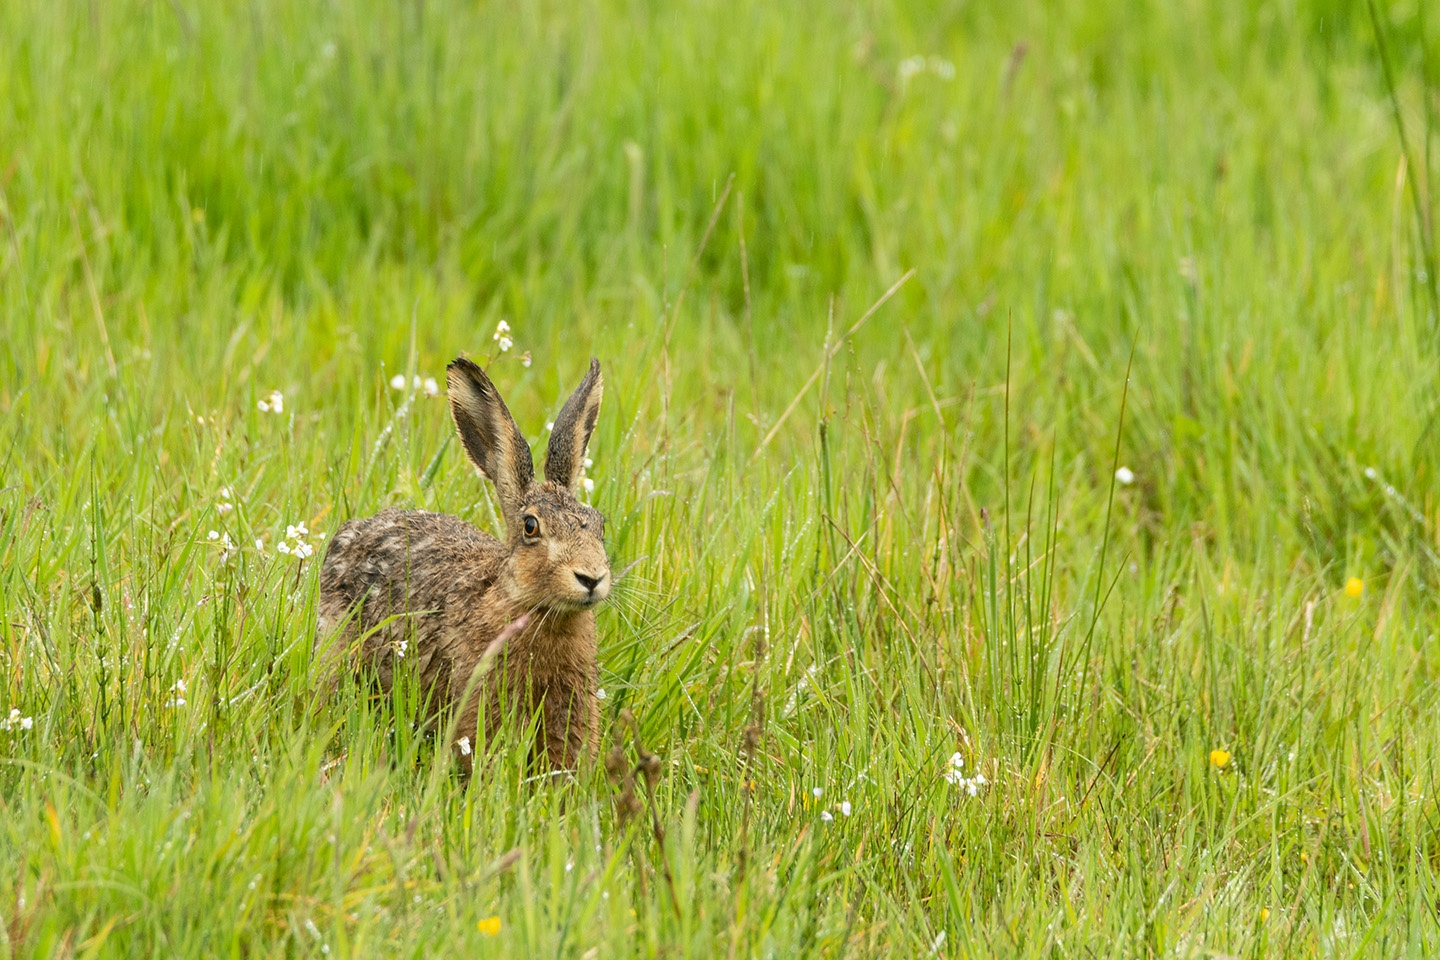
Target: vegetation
(1021, 418)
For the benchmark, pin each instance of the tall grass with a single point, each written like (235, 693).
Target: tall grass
(880, 541)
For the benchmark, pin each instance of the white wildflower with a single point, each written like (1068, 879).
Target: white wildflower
(505, 343)
(179, 686)
(588, 484)
(818, 792)
(464, 744)
(600, 694)
(826, 816)
(260, 545)
(955, 775)
(282, 547)
(213, 535)
(432, 389)
(912, 67)
(397, 382)
(400, 647)
(845, 808)
(525, 359)
(223, 508)
(1125, 476)
(303, 550)
(16, 722)
(501, 329)
(275, 403)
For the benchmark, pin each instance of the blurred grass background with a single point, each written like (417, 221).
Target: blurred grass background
(872, 547)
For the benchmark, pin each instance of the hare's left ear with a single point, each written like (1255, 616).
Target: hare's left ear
(490, 435)
(573, 428)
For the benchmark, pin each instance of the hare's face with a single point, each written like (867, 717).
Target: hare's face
(558, 547)
(557, 544)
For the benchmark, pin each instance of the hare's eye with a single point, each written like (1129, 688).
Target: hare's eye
(532, 527)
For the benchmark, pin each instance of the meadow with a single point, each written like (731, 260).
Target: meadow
(1021, 420)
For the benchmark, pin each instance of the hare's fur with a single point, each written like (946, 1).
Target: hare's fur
(407, 585)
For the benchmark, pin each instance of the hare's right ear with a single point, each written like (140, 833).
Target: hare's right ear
(490, 435)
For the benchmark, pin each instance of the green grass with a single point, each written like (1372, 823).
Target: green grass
(921, 552)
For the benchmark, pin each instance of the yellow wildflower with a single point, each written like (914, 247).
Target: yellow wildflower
(490, 926)
(1264, 914)
(1354, 587)
(1219, 759)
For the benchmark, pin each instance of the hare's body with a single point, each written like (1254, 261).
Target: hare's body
(430, 591)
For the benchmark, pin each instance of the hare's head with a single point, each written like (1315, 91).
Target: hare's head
(557, 543)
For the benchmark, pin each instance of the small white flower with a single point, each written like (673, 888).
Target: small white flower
(179, 686)
(223, 508)
(505, 343)
(826, 816)
(600, 694)
(588, 484)
(212, 535)
(432, 389)
(525, 359)
(400, 647)
(397, 382)
(303, 550)
(818, 792)
(587, 463)
(282, 547)
(464, 744)
(275, 403)
(260, 545)
(227, 493)
(1125, 476)
(845, 808)
(549, 425)
(501, 329)
(26, 723)
(175, 702)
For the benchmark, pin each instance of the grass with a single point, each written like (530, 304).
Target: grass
(860, 547)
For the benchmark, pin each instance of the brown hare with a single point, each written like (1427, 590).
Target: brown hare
(519, 612)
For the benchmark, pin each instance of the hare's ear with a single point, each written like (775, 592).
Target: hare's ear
(490, 435)
(573, 428)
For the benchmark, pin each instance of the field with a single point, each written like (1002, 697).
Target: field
(1023, 421)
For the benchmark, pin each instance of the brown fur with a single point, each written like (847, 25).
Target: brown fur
(432, 588)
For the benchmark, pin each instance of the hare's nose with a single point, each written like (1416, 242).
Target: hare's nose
(588, 582)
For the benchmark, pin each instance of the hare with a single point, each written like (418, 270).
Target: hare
(517, 614)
